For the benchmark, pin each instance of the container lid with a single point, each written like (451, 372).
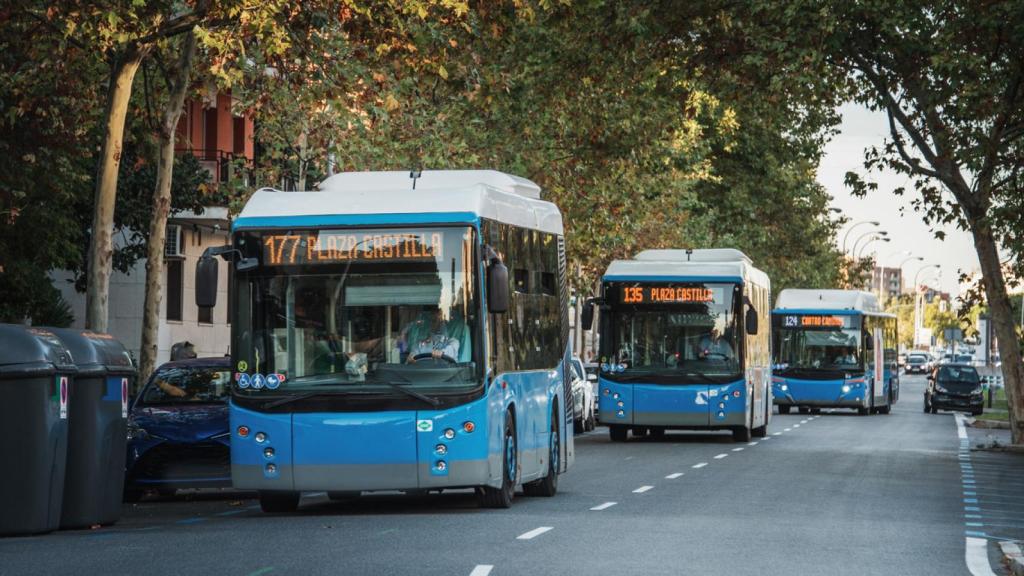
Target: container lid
(94, 350)
(32, 348)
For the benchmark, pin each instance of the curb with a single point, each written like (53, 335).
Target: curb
(989, 424)
(1013, 557)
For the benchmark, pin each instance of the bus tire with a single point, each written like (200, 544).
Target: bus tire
(617, 432)
(741, 434)
(279, 501)
(639, 432)
(863, 411)
(591, 423)
(784, 409)
(502, 497)
(548, 485)
(657, 433)
(803, 410)
(885, 409)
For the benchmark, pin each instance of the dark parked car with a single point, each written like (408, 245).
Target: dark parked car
(954, 387)
(916, 364)
(178, 429)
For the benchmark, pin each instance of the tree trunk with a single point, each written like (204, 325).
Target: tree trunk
(101, 248)
(162, 206)
(1003, 322)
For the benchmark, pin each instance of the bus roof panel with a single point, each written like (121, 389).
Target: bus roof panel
(807, 299)
(376, 198)
(729, 270)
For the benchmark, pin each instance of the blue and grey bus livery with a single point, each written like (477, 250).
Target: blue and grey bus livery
(398, 333)
(684, 344)
(826, 347)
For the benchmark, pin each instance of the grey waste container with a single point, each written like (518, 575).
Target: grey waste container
(36, 375)
(97, 434)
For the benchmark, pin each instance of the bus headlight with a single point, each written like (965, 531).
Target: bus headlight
(846, 388)
(783, 387)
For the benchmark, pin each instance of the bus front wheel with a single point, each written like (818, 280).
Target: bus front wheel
(784, 409)
(617, 432)
(741, 434)
(279, 501)
(502, 497)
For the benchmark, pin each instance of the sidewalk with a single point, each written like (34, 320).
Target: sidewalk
(997, 485)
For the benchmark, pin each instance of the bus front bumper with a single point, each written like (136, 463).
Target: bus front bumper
(820, 393)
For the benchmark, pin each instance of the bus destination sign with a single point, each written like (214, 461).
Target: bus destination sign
(821, 321)
(334, 247)
(667, 295)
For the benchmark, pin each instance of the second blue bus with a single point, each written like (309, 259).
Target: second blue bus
(684, 344)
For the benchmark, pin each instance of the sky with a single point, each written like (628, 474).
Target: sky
(860, 129)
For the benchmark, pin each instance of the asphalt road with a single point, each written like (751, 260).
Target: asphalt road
(835, 494)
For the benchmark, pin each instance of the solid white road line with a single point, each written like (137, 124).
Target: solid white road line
(701, 465)
(482, 570)
(642, 489)
(976, 556)
(674, 475)
(604, 506)
(740, 449)
(534, 533)
(961, 432)
(720, 456)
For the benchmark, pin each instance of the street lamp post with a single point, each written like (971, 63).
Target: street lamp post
(850, 229)
(870, 240)
(918, 308)
(853, 251)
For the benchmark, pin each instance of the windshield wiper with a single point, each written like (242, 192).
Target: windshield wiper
(707, 378)
(303, 396)
(418, 395)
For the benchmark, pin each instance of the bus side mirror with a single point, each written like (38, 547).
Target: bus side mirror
(587, 315)
(497, 287)
(751, 321)
(206, 281)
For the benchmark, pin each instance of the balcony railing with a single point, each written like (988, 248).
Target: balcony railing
(223, 166)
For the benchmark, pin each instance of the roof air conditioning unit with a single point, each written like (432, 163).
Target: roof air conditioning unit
(173, 244)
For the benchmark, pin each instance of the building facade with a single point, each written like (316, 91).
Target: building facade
(222, 142)
(887, 283)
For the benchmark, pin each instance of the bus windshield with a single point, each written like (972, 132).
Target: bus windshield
(823, 345)
(358, 312)
(673, 333)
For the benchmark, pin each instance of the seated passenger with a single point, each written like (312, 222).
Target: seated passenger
(846, 357)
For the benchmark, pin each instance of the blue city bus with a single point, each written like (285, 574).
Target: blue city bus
(684, 344)
(833, 349)
(396, 331)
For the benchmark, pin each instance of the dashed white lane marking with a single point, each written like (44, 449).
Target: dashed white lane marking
(604, 506)
(629, 457)
(740, 449)
(720, 456)
(674, 475)
(534, 533)
(752, 444)
(482, 570)
(787, 430)
(775, 434)
(976, 556)
(642, 489)
(796, 425)
(701, 465)
(803, 421)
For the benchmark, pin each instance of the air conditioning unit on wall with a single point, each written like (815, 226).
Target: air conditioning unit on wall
(174, 243)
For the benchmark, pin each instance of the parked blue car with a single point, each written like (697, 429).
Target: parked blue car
(178, 433)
